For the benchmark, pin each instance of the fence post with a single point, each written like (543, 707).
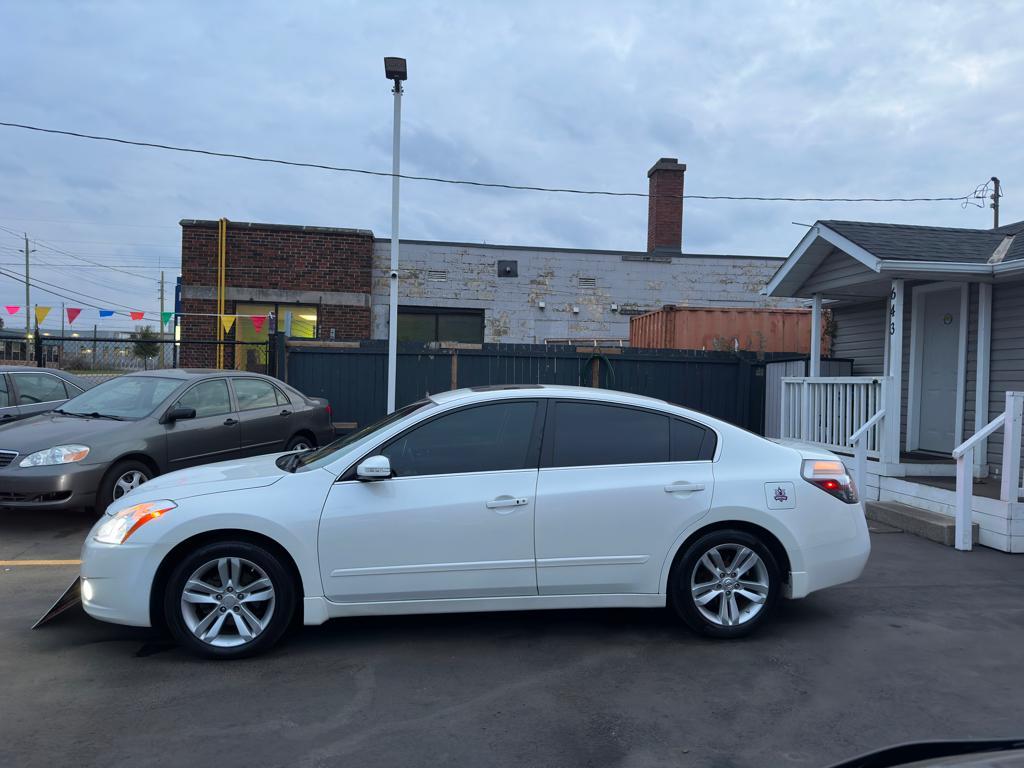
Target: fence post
(280, 370)
(964, 497)
(38, 343)
(861, 454)
(1011, 447)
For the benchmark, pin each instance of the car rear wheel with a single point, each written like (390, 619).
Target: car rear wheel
(725, 584)
(229, 600)
(123, 477)
(301, 443)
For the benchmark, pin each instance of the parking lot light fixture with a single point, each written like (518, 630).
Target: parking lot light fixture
(396, 71)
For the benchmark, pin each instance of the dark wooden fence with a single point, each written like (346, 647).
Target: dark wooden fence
(352, 375)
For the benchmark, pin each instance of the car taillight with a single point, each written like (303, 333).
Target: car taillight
(329, 413)
(831, 476)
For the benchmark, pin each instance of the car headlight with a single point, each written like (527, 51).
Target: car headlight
(123, 524)
(59, 454)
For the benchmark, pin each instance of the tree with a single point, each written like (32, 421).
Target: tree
(144, 345)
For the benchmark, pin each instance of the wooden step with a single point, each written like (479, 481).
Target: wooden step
(933, 526)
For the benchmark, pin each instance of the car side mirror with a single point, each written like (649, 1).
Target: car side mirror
(176, 414)
(374, 468)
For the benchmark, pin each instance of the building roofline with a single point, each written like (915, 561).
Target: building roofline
(638, 255)
(212, 224)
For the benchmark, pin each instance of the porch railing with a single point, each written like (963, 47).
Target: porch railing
(829, 411)
(1010, 421)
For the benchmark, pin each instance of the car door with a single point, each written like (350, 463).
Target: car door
(455, 520)
(265, 425)
(37, 392)
(213, 434)
(9, 410)
(610, 499)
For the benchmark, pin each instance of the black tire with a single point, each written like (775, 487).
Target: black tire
(297, 441)
(283, 606)
(690, 568)
(109, 491)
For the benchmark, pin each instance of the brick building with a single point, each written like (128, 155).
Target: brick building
(332, 283)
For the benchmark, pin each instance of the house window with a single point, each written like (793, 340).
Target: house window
(427, 324)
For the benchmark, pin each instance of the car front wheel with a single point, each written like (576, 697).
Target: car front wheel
(122, 478)
(229, 600)
(725, 584)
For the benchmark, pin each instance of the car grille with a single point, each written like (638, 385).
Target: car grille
(39, 498)
(7, 457)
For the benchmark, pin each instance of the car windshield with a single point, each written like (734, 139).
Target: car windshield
(323, 456)
(126, 397)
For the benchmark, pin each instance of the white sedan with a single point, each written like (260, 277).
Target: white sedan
(492, 499)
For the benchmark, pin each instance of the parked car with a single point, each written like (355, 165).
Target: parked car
(482, 500)
(112, 438)
(26, 391)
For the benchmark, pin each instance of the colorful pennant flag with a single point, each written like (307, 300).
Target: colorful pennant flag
(72, 313)
(137, 315)
(165, 317)
(41, 313)
(257, 323)
(227, 321)
(12, 309)
(106, 313)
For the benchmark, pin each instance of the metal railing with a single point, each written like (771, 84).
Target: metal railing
(1010, 421)
(830, 410)
(859, 441)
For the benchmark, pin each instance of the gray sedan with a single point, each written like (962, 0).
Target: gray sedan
(26, 391)
(119, 434)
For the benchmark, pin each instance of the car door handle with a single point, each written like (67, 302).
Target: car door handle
(229, 422)
(286, 412)
(508, 502)
(684, 487)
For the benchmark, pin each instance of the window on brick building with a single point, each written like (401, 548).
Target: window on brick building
(427, 324)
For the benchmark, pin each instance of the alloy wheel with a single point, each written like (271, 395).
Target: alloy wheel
(228, 602)
(129, 481)
(729, 584)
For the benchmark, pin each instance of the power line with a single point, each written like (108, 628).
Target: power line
(46, 245)
(464, 182)
(37, 283)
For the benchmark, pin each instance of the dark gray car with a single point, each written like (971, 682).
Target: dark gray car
(26, 391)
(119, 434)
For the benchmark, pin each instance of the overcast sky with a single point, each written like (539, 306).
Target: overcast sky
(790, 99)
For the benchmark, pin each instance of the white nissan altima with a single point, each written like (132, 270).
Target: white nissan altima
(492, 499)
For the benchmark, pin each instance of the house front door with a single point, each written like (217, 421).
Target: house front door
(939, 327)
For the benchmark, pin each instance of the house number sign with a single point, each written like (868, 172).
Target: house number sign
(892, 312)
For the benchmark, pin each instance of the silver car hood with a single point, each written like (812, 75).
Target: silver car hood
(238, 474)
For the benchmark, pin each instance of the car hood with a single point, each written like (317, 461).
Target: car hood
(46, 430)
(240, 474)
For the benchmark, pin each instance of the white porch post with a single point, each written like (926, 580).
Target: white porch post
(815, 366)
(890, 452)
(1010, 489)
(981, 393)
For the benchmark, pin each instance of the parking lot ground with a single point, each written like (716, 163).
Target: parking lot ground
(928, 644)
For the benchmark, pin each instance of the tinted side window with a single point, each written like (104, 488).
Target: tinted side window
(5, 399)
(487, 438)
(253, 394)
(692, 442)
(38, 388)
(589, 434)
(282, 398)
(209, 398)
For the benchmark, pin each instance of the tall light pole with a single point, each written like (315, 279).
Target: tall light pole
(395, 70)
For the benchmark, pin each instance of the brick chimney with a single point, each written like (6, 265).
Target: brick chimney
(665, 206)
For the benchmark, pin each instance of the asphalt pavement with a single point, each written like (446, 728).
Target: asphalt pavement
(928, 644)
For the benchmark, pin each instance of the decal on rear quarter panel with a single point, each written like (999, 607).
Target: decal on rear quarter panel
(780, 495)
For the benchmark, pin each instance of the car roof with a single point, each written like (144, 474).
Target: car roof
(193, 373)
(36, 369)
(547, 390)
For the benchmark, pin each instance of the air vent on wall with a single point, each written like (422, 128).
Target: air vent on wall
(437, 275)
(588, 283)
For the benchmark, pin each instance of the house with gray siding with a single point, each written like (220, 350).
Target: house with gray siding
(933, 321)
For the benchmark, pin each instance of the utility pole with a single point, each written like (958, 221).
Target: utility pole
(163, 363)
(28, 299)
(996, 194)
(395, 71)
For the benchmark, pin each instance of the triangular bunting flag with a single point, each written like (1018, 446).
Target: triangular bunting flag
(12, 309)
(257, 323)
(227, 321)
(72, 313)
(106, 313)
(41, 313)
(165, 318)
(137, 315)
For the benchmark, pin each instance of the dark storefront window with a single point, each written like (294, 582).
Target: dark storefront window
(438, 324)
